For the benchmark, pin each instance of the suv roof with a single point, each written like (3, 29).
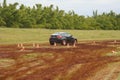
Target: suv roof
(62, 33)
(57, 33)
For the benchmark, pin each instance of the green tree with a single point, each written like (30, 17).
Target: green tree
(51, 17)
(4, 4)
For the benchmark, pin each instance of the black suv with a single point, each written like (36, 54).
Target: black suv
(62, 37)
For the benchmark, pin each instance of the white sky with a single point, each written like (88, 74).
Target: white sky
(81, 7)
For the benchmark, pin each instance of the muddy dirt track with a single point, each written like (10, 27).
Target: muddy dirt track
(97, 60)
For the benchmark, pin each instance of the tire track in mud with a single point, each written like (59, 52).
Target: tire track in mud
(108, 77)
(113, 73)
(109, 72)
(22, 68)
(90, 68)
(23, 71)
(79, 63)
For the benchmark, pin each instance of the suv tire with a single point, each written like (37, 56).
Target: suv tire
(64, 42)
(51, 43)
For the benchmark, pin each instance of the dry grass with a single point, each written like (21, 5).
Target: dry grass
(15, 35)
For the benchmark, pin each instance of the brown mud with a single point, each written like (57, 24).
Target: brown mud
(85, 61)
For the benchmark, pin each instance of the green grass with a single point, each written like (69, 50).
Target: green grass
(15, 35)
(118, 77)
(6, 62)
(114, 54)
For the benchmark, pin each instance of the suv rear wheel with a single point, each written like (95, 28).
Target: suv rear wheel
(74, 42)
(51, 43)
(64, 42)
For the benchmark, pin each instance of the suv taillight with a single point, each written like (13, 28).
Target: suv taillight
(59, 36)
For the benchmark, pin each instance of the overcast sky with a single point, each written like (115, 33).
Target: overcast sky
(81, 7)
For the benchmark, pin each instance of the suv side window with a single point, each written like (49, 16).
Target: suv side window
(68, 35)
(63, 34)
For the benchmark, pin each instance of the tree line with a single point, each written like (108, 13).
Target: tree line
(51, 17)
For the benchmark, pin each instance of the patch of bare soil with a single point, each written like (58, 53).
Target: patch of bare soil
(86, 61)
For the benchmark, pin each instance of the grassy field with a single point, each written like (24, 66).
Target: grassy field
(95, 61)
(15, 35)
